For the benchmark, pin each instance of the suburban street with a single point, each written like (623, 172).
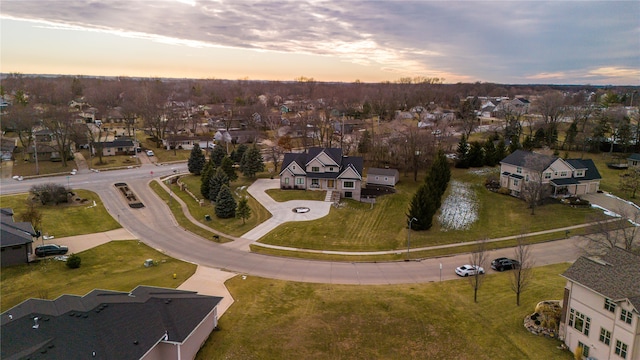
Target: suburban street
(155, 226)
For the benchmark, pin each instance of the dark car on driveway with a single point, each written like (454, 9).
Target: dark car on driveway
(502, 264)
(51, 249)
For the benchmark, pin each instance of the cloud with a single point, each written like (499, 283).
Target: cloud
(470, 40)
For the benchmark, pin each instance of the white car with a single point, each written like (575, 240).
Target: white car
(466, 270)
(74, 171)
(149, 152)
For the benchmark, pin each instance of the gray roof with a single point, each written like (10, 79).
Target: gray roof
(120, 142)
(615, 275)
(634, 156)
(14, 233)
(344, 162)
(520, 157)
(381, 171)
(116, 325)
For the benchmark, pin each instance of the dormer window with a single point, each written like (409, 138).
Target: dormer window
(519, 170)
(579, 173)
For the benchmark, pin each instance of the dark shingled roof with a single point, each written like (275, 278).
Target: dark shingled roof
(302, 159)
(383, 172)
(591, 171)
(634, 156)
(116, 325)
(615, 275)
(519, 158)
(14, 233)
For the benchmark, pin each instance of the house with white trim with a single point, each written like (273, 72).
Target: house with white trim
(601, 306)
(323, 169)
(565, 176)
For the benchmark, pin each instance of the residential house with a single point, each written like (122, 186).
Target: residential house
(16, 239)
(119, 146)
(146, 323)
(601, 306)
(634, 160)
(385, 177)
(187, 142)
(7, 147)
(565, 176)
(323, 169)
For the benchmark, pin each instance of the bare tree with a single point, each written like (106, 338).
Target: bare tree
(534, 188)
(477, 259)
(609, 233)
(58, 120)
(522, 275)
(630, 182)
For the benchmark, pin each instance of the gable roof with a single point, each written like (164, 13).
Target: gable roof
(615, 275)
(634, 156)
(114, 325)
(591, 171)
(14, 233)
(344, 162)
(120, 142)
(520, 157)
(383, 172)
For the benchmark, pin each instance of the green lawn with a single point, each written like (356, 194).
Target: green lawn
(117, 265)
(287, 195)
(65, 219)
(274, 319)
(45, 167)
(362, 227)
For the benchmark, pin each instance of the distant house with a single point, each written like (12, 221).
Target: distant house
(386, 177)
(146, 323)
(634, 160)
(187, 142)
(7, 148)
(119, 146)
(323, 169)
(566, 177)
(16, 239)
(601, 307)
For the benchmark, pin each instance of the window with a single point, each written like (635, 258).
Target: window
(605, 336)
(286, 181)
(579, 322)
(315, 169)
(315, 183)
(516, 182)
(579, 173)
(585, 349)
(386, 178)
(526, 178)
(519, 170)
(330, 169)
(547, 175)
(621, 349)
(626, 316)
(563, 174)
(293, 167)
(348, 194)
(299, 181)
(348, 185)
(609, 305)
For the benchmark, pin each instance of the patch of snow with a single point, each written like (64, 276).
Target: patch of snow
(460, 209)
(605, 211)
(483, 171)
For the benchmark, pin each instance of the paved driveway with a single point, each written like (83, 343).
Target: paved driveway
(615, 205)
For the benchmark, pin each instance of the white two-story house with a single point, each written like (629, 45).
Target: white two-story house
(323, 169)
(601, 306)
(565, 176)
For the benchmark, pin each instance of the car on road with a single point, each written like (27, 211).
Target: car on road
(503, 263)
(466, 270)
(51, 249)
(149, 152)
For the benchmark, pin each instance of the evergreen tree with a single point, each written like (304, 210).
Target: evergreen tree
(463, 153)
(205, 178)
(238, 153)
(439, 173)
(365, 143)
(501, 151)
(218, 180)
(196, 160)
(476, 155)
(251, 163)
(225, 203)
(423, 208)
(243, 211)
(514, 145)
(490, 153)
(227, 167)
(528, 143)
(217, 155)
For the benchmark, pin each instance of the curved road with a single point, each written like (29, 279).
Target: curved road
(155, 226)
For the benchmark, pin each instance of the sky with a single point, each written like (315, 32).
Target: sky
(511, 42)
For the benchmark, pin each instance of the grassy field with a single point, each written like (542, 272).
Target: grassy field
(24, 168)
(66, 219)
(362, 227)
(117, 265)
(274, 319)
(287, 195)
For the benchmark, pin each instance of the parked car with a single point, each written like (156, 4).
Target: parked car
(149, 152)
(502, 264)
(51, 249)
(466, 270)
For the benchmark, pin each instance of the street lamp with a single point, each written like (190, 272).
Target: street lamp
(409, 237)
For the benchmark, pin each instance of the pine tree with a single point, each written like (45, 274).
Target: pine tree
(227, 167)
(196, 160)
(423, 208)
(490, 153)
(205, 179)
(217, 155)
(463, 153)
(225, 203)
(439, 173)
(251, 163)
(501, 151)
(218, 180)
(243, 211)
(476, 155)
(237, 154)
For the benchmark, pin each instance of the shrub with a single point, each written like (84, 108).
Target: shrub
(73, 262)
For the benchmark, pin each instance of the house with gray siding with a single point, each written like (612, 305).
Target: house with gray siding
(16, 239)
(385, 177)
